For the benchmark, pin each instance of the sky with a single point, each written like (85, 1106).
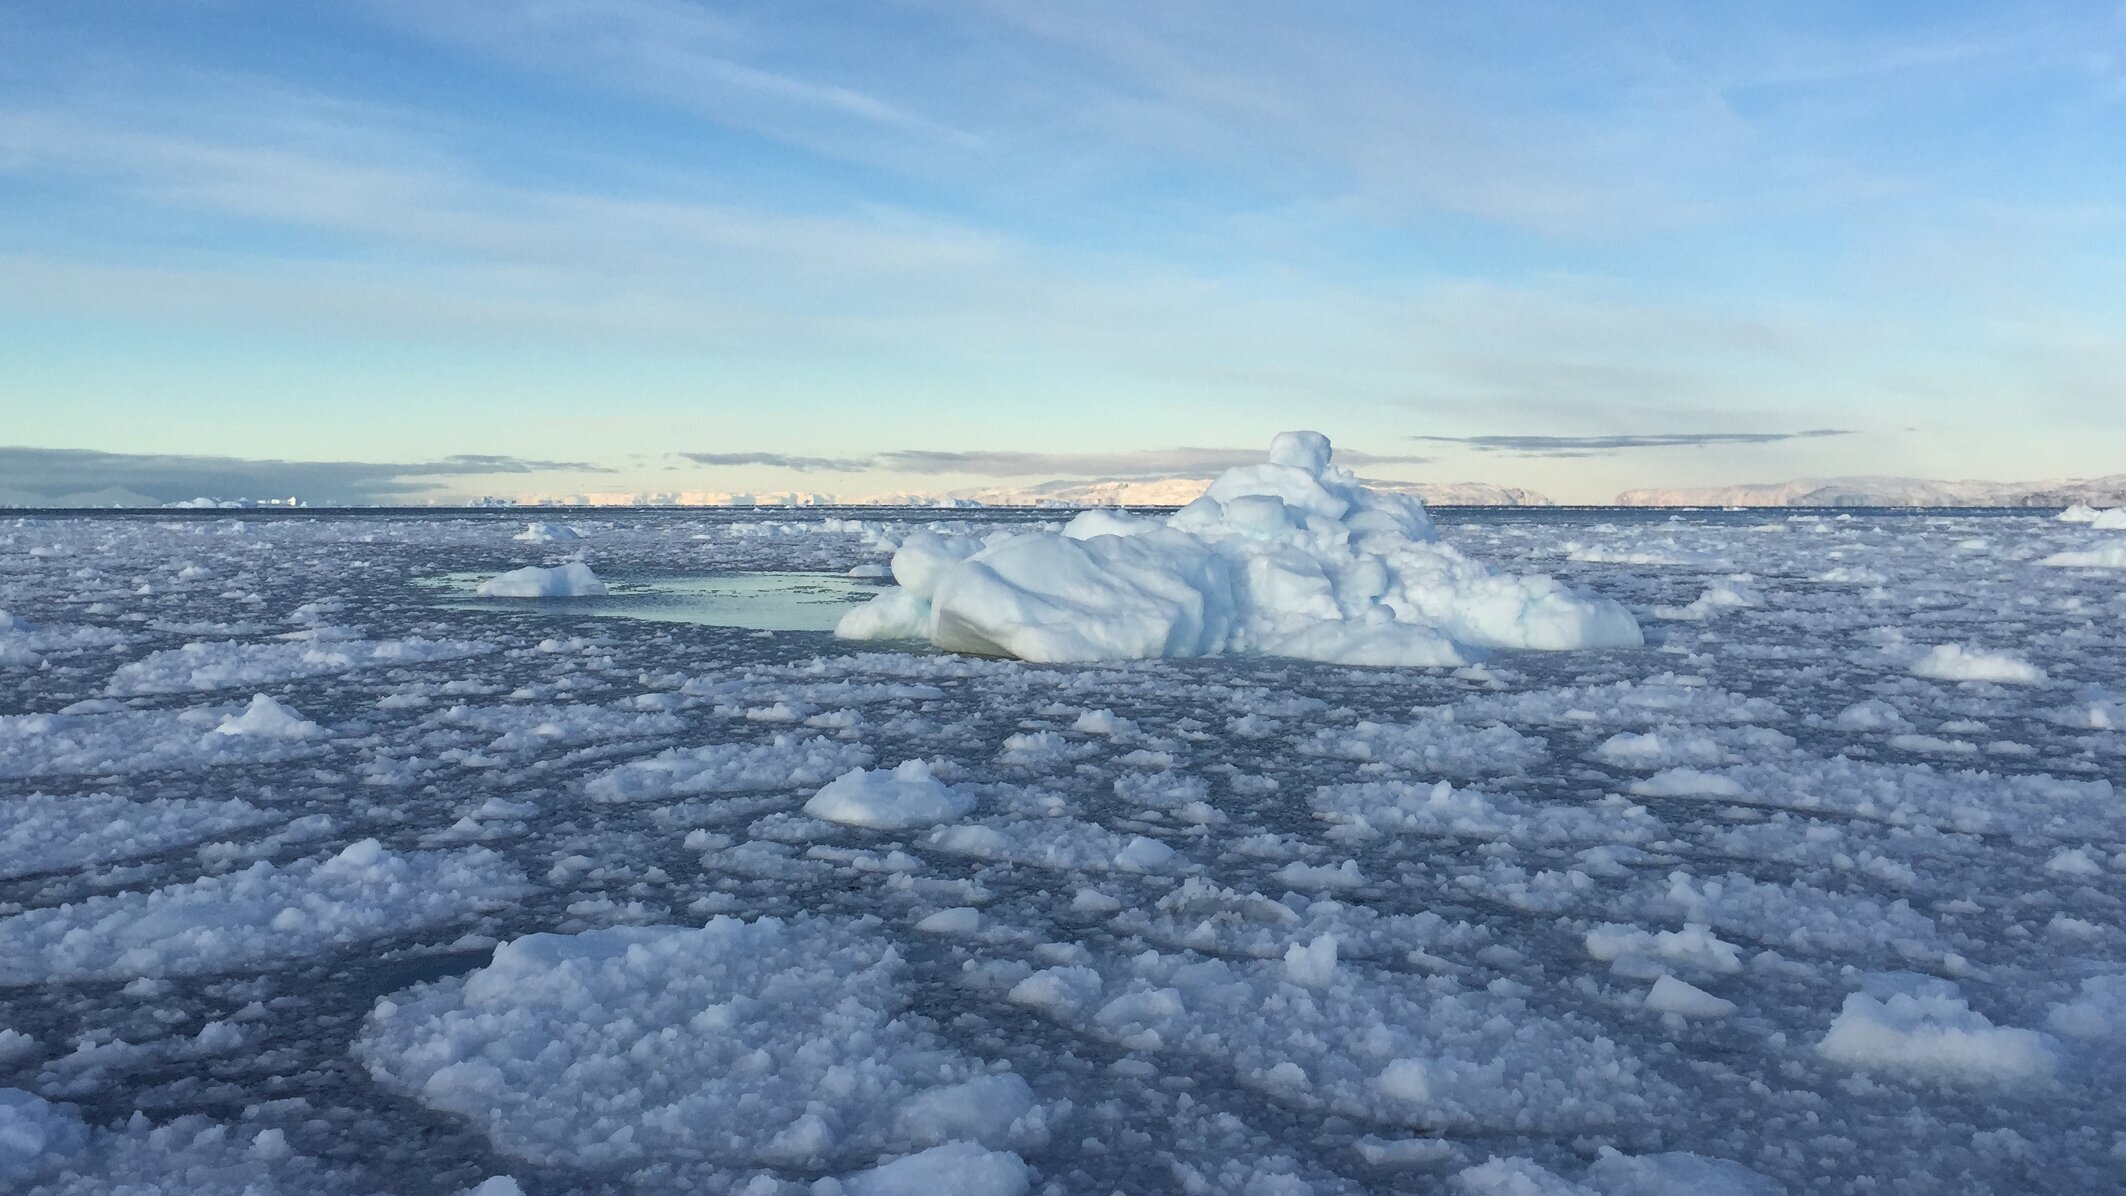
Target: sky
(397, 250)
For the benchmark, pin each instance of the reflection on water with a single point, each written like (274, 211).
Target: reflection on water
(757, 601)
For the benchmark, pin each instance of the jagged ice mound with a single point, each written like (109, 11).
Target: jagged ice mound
(1293, 557)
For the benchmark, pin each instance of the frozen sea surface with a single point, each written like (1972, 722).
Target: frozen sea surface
(317, 876)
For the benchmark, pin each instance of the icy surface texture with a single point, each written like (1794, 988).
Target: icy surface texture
(311, 881)
(1293, 557)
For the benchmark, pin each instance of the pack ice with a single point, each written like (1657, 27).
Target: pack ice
(313, 879)
(1293, 557)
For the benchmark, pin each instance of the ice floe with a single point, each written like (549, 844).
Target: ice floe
(736, 1044)
(262, 913)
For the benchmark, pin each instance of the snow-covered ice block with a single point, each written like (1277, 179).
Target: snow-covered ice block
(547, 533)
(1955, 662)
(573, 580)
(1725, 595)
(889, 799)
(953, 1169)
(2103, 556)
(960, 919)
(1670, 995)
(1933, 1033)
(1293, 557)
(268, 719)
(1694, 947)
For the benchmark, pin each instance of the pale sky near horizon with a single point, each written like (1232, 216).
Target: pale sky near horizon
(927, 244)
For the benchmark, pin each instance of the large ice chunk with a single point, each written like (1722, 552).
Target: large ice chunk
(547, 533)
(1934, 1033)
(268, 718)
(573, 580)
(889, 799)
(1292, 557)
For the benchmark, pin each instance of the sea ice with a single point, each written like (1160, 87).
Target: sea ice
(1239, 924)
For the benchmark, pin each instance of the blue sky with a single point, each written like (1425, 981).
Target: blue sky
(922, 244)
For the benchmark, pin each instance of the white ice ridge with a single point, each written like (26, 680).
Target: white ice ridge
(1293, 557)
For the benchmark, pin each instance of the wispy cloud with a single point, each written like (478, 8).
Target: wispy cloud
(1002, 463)
(786, 461)
(716, 64)
(1589, 446)
(32, 475)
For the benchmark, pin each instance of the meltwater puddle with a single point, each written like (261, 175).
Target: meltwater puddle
(755, 601)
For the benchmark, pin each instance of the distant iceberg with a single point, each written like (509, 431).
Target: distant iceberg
(1293, 557)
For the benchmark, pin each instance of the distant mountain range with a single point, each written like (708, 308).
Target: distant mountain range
(1888, 492)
